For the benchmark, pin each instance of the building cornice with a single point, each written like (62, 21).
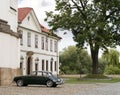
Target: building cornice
(40, 53)
(5, 28)
(42, 33)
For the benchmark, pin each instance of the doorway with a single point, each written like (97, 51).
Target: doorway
(29, 65)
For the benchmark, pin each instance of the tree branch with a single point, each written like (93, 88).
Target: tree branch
(108, 16)
(78, 7)
(82, 4)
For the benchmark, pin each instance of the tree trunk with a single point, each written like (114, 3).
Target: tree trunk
(94, 56)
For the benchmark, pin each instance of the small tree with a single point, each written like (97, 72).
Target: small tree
(70, 59)
(111, 57)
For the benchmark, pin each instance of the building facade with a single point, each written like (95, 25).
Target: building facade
(38, 46)
(9, 41)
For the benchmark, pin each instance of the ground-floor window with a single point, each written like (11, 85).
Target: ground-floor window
(21, 65)
(42, 64)
(55, 66)
(36, 67)
(51, 66)
(47, 65)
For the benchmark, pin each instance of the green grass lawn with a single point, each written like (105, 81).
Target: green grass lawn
(77, 80)
(91, 79)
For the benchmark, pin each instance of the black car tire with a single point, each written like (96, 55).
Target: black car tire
(55, 85)
(49, 83)
(20, 82)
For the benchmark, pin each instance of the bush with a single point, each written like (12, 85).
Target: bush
(112, 70)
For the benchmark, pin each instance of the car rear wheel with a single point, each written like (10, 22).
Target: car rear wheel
(49, 83)
(20, 83)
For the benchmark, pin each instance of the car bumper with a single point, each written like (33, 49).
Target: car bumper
(60, 82)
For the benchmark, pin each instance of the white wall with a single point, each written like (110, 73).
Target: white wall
(9, 51)
(7, 14)
(41, 57)
(9, 45)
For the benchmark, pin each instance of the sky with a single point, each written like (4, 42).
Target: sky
(40, 6)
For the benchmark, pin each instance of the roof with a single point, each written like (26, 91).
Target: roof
(44, 29)
(23, 12)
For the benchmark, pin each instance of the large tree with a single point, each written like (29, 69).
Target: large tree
(95, 22)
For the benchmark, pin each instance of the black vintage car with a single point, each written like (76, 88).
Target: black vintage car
(38, 78)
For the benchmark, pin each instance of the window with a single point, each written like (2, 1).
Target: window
(51, 45)
(42, 43)
(21, 62)
(51, 66)
(55, 66)
(43, 65)
(29, 39)
(46, 43)
(21, 65)
(28, 18)
(36, 41)
(55, 46)
(21, 37)
(47, 65)
(36, 67)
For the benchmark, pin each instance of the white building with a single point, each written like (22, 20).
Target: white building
(38, 46)
(9, 41)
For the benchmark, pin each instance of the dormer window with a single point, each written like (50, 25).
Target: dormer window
(28, 18)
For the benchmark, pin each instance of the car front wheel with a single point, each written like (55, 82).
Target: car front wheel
(49, 83)
(20, 82)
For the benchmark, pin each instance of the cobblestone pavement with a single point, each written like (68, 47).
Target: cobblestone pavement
(65, 89)
(111, 89)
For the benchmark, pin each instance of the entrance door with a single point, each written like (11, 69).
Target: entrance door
(29, 66)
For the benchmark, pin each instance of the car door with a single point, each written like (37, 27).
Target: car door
(31, 79)
(41, 78)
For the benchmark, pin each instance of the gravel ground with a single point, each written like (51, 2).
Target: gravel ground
(65, 89)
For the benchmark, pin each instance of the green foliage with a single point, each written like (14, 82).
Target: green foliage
(96, 23)
(70, 60)
(102, 65)
(112, 70)
(111, 57)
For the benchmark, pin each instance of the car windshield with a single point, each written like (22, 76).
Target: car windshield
(49, 74)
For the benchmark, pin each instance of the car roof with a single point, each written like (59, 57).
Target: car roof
(42, 71)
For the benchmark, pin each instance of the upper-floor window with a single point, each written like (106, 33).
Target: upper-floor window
(46, 43)
(36, 41)
(29, 39)
(51, 45)
(55, 46)
(42, 43)
(28, 18)
(21, 37)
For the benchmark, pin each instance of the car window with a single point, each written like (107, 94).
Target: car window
(39, 73)
(44, 74)
(34, 73)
